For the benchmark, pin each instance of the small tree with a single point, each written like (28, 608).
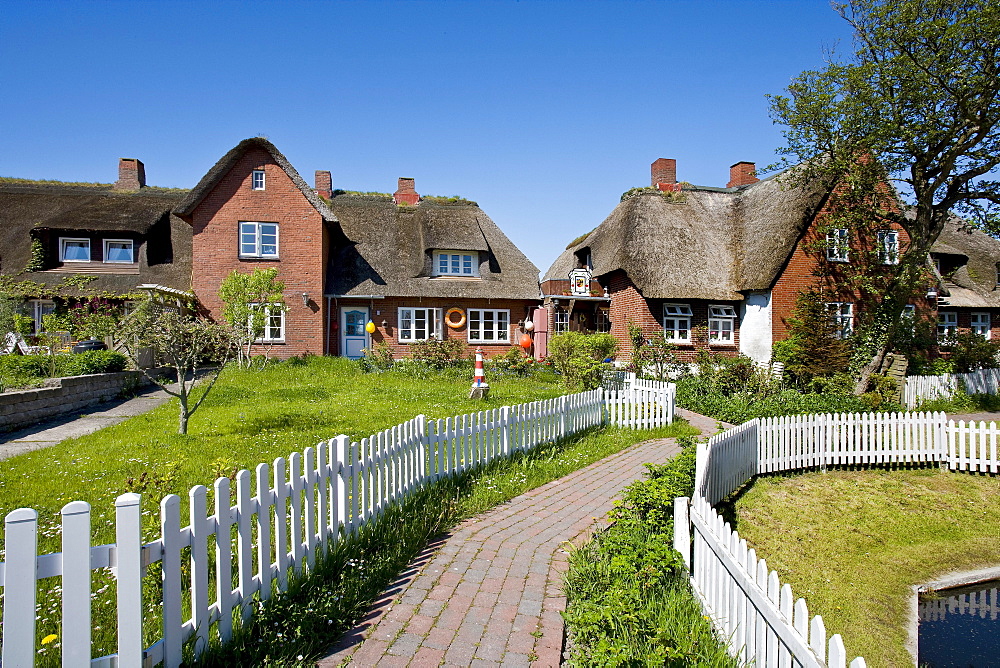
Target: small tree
(654, 355)
(814, 347)
(249, 301)
(580, 357)
(184, 342)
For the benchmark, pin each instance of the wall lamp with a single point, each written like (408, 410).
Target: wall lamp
(305, 299)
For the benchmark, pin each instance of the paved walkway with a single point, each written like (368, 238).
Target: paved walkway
(49, 432)
(490, 593)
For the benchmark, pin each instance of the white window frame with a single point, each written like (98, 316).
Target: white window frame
(39, 309)
(980, 323)
(409, 333)
(500, 325)
(602, 321)
(560, 320)
(842, 316)
(722, 321)
(888, 246)
(248, 227)
(272, 311)
(838, 245)
(131, 251)
(62, 248)
(258, 179)
(947, 325)
(468, 264)
(677, 323)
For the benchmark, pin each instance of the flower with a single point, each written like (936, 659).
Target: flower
(49, 638)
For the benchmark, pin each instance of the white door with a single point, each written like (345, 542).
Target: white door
(353, 337)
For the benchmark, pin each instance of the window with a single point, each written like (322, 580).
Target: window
(456, 264)
(838, 245)
(721, 324)
(888, 247)
(677, 322)
(74, 250)
(257, 179)
(419, 324)
(842, 317)
(602, 322)
(560, 321)
(118, 250)
(947, 325)
(259, 240)
(980, 324)
(489, 325)
(274, 323)
(39, 309)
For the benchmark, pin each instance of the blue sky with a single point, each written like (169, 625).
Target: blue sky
(543, 112)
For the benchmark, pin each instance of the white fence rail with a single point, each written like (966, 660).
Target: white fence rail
(285, 516)
(746, 602)
(926, 388)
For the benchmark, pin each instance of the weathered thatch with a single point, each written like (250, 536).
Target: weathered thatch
(222, 167)
(974, 282)
(46, 211)
(713, 243)
(379, 248)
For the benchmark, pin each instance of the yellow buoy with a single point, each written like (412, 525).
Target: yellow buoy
(370, 327)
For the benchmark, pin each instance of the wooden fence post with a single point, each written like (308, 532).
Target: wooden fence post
(19, 587)
(170, 529)
(128, 576)
(76, 584)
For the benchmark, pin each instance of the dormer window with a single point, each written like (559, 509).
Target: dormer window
(74, 250)
(257, 179)
(119, 251)
(456, 263)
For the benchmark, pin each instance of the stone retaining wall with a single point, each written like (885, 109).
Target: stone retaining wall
(24, 408)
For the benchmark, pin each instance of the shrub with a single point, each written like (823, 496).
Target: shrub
(377, 358)
(92, 361)
(513, 362)
(580, 358)
(968, 351)
(438, 354)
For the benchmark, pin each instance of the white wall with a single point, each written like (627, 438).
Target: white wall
(755, 327)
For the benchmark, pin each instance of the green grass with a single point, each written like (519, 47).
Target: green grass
(852, 543)
(962, 403)
(629, 601)
(319, 609)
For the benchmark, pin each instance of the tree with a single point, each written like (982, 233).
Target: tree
(815, 346)
(917, 105)
(182, 341)
(250, 300)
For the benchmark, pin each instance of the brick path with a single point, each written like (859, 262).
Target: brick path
(490, 593)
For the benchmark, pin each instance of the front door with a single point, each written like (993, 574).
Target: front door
(353, 337)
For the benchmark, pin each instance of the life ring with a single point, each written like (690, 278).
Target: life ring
(454, 324)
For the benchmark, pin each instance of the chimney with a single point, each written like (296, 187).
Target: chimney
(405, 192)
(664, 174)
(324, 184)
(131, 174)
(742, 174)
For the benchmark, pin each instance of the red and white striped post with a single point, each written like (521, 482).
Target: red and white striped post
(480, 388)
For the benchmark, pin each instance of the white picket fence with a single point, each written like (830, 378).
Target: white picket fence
(984, 603)
(285, 517)
(747, 602)
(925, 388)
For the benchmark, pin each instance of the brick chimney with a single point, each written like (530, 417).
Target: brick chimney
(131, 174)
(742, 174)
(663, 174)
(324, 184)
(405, 192)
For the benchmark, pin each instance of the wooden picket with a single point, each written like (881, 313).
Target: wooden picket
(300, 507)
(927, 388)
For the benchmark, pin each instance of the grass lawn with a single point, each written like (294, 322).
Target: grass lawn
(250, 417)
(853, 542)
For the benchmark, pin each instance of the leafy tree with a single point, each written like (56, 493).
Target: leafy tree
(580, 358)
(918, 103)
(248, 299)
(654, 355)
(182, 341)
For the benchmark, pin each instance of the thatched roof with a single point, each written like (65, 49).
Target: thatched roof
(35, 210)
(974, 282)
(379, 248)
(222, 167)
(715, 243)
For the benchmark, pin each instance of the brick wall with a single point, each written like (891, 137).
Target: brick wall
(302, 248)
(388, 310)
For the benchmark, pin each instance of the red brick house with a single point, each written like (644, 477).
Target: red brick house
(416, 268)
(721, 268)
